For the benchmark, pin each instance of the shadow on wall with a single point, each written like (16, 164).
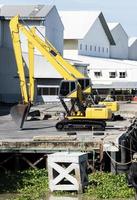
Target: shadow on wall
(4, 109)
(9, 79)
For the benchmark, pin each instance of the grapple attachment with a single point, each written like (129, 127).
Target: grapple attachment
(19, 113)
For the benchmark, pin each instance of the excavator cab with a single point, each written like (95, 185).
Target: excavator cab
(68, 89)
(85, 84)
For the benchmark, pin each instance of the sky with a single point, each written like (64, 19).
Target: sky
(123, 11)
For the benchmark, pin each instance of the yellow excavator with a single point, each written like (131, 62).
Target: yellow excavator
(75, 85)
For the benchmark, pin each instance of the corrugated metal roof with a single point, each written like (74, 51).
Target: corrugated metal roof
(77, 23)
(105, 63)
(112, 25)
(131, 40)
(116, 85)
(25, 11)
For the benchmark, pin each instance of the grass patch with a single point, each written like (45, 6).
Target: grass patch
(33, 185)
(108, 186)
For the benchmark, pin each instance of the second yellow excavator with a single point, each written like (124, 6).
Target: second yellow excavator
(75, 85)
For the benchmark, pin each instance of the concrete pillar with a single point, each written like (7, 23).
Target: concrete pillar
(113, 164)
(67, 171)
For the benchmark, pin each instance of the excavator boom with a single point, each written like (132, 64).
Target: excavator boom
(19, 112)
(75, 85)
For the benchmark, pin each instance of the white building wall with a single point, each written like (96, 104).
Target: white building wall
(132, 51)
(108, 66)
(70, 47)
(95, 43)
(120, 50)
(9, 82)
(6, 36)
(1, 34)
(6, 42)
(43, 69)
(40, 31)
(105, 67)
(54, 29)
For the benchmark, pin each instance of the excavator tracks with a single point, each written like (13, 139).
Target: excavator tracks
(80, 124)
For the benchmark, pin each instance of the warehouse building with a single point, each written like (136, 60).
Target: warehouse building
(86, 33)
(132, 48)
(120, 50)
(48, 22)
(112, 76)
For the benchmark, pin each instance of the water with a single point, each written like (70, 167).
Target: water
(7, 196)
(53, 197)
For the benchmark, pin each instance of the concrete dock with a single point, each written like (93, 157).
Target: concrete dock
(20, 149)
(42, 136)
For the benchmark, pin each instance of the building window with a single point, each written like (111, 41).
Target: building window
(80, 46)
(112, 74)
(122, 74)
(107, 50)
(103, 49)
(97, 74)
(86, 47)
(98, 49)
(95, 48)
(47, 91)
(90, 47)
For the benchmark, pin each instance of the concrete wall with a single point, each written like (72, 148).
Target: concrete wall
(95, 43)
(132, 51)
(120, 50)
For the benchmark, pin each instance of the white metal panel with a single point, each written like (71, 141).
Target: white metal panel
(54, 29)
(40, 31)
(25, 10)
(77, 23)
(110, 65)
(1, 33)
(48, 98)
(120, 50)
(97, 39)
(131, 41)
(112, 25)
(42, 68)
(9, 82)
(132, 49)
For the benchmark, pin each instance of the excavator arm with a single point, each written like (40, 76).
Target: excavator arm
(74, 86)
(85, 82)
(19, 112)
(67, 71)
